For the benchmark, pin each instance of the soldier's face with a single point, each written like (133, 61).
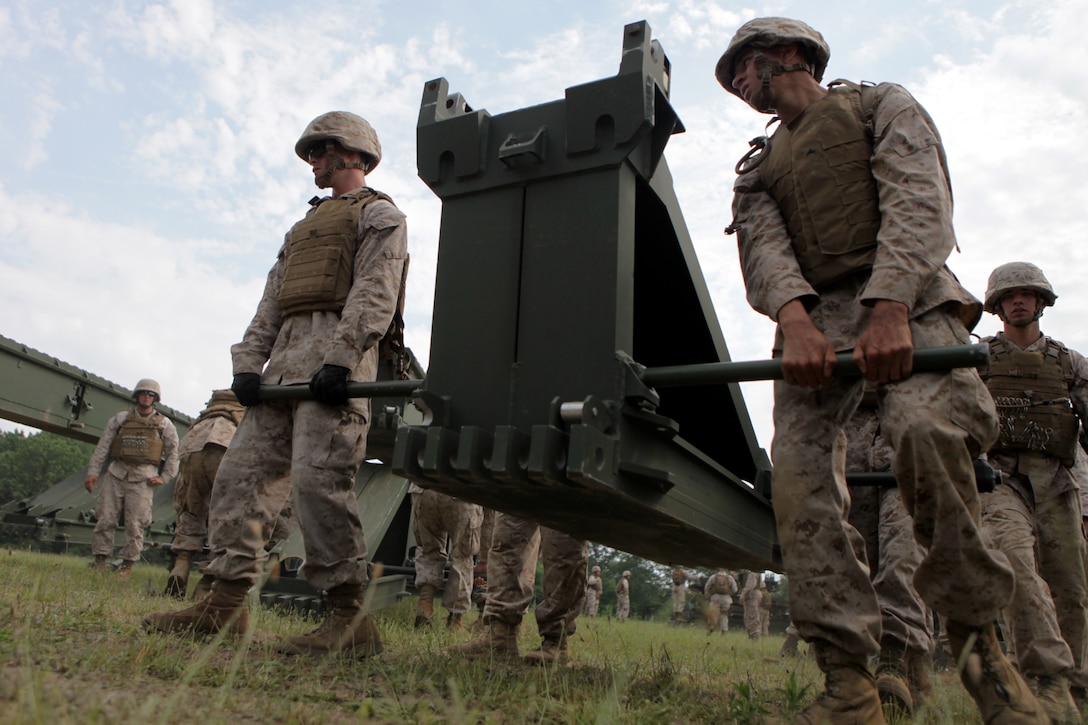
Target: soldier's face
(1020, 306)
(145, 401)
(745, 75)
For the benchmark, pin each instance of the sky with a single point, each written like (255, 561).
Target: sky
(148, 173)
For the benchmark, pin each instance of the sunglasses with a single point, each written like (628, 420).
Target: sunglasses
(317, 149)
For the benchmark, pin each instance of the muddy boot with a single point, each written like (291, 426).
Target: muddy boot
(453, 621)
(425, 608)
(99, 562)
(997, 688)
(347, 628)
(178, 581)
(224, 608)
(203, 587)
(891, 678)
(552, 651)
(498, 640)
(920, 677)
(125, 570)
(850, 696)
(1054, 696)
(789, 647)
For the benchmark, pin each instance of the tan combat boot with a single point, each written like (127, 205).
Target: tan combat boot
(453, 621)
(891, 678)
(425, 608)
(125, 570)
(850, 696)
(500, 639)
(178, 581)
(225, 607)
(347, 628)
(203, 587)
(920, 677)
(99, 562)
(551, 652)
(789, 646)
(1056, 699)
(997, 688)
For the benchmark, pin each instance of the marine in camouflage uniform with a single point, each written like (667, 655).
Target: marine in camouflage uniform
(516, 545)
(679, 592)
(1034, 517)
(765, 602)
(623, 596)
(331, 296)
(594, 590)
(844, 224)
(141, 445)
(749, 598)
(719, 590)
(441, 522)
(877, 512)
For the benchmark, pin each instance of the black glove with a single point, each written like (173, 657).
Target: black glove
(330, 385)
(246, 387)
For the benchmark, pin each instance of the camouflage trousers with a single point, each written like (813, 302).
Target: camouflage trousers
(593, 603)
(511, 575)
(679, 598)
(722, 605)
(623, 606)
(936, 423)
(764, 621)
(305, 451)
(114, 497)
(1047, 621)
(436, 520)
(192, 496)
(752, 625)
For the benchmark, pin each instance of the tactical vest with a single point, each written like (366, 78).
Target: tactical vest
(1031, 390)
(139, 440)
(719, 585)
(820, 174)
(222, 405)
(321, 254)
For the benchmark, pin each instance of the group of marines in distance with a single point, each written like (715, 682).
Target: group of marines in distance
(843, 221)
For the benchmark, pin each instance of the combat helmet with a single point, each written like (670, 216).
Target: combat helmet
(768, 33)
(1017, 275)
(147, 385)
(596, 569)
(351, 131)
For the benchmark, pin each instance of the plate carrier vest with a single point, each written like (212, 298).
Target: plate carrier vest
(139, 440)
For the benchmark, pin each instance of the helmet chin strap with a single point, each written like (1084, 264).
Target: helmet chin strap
(334, 163)
(768, 68)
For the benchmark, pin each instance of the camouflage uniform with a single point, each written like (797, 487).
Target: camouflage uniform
(679, 592)
(720, 589)
(594, 589)
(936, 422)
(305, 449)
(125, 487)
(750, 598)
(623, 598)
(878, 514)
(436, 519)
(511, 576)
(1034, 517)
(199, 455)
(765, 602)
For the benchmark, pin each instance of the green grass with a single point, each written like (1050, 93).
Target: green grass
(72, 651)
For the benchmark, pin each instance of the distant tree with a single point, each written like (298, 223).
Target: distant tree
(650, 582)
(30, 464)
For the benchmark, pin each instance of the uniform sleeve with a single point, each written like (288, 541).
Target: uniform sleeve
(372, 300)
(916, 235)
(250, 355)
(169, 449)
(102, 450)
(1078, 391)
(771, 273)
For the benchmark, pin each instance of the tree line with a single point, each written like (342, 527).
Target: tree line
(31, 464)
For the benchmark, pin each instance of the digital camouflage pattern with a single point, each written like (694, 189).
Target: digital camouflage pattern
(440, 522)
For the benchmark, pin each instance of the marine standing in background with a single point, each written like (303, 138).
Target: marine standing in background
(749, 598)
(440, 522)
(765, 602)
(844, 225)
(594, 589)
(623, 596)
(1034, 515)
(719, 589)
(679, 593)
(142, 447)
(199, 454)
(333, 293)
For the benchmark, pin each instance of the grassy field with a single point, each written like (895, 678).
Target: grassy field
(72, 651)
